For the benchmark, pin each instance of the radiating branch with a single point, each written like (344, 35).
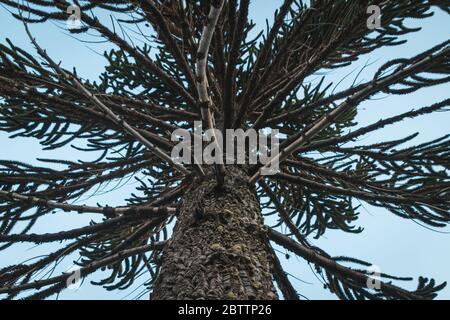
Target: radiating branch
(433, 57)
(332, 266)
(202, 80)
(106, 211)
(375, 126)
(283, 281)
(233, 56)
(110, 114)
(154, 14)
(84, 271)
(74, 233)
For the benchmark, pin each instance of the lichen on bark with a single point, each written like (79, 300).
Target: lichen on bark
(219, 248)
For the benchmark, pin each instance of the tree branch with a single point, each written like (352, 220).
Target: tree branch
(110, 114)
(74, 233)
(332, 266)
(107, 211)
(230, 75)
(85, 271)
(351, 102)
(202, 80)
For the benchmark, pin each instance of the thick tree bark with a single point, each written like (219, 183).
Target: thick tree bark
(219, 249)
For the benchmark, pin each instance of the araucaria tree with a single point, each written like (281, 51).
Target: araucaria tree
(197, 230)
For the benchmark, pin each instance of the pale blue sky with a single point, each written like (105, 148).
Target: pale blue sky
(398, 246)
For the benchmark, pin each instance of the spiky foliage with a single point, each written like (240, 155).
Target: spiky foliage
(187, 70)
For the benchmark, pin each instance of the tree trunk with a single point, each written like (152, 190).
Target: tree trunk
(219, 249)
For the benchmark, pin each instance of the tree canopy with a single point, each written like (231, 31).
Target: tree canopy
(204, 60)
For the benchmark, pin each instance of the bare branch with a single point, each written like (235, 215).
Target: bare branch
(202, 80)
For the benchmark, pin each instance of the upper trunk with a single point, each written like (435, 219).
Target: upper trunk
(219, 249)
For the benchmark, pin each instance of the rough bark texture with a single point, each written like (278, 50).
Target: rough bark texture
(219, 249)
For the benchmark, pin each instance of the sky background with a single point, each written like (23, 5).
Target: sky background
(399, 247)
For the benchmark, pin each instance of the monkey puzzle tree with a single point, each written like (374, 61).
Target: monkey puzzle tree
(202, 60)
